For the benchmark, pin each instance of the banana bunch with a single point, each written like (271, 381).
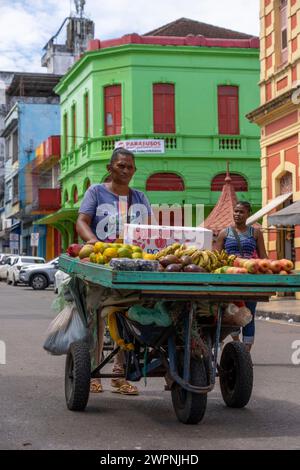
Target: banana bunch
(169, 250)
(224, 258)
(212, 260)
(185, 251)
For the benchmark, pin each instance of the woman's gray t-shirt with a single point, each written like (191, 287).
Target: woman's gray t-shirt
(109, 212)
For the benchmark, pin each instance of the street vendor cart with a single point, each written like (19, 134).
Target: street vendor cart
(156, 351)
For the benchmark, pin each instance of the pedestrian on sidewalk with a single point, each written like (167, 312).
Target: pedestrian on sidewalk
(246, 242)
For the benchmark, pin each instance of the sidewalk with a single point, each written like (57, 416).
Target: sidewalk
(280, 309)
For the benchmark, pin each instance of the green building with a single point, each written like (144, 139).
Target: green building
(192, 91)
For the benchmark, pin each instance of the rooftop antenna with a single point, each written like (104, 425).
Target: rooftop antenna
(79, 4)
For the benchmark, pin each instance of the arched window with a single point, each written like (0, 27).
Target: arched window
(165, 182)
(75, 194)
(86, 185)
(238, 182)
(286, 183)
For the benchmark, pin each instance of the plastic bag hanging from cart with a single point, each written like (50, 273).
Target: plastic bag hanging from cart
(64, 330)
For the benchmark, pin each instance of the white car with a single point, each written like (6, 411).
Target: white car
(5, 255)
(59, 277)
(5, 264)
(19, 262)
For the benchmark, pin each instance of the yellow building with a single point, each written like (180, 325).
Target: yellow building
(279, 119)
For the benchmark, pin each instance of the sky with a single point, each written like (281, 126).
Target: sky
(27, 25)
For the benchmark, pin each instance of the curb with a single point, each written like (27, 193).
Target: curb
(278, 315)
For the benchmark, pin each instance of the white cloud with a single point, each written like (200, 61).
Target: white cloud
(26, 26)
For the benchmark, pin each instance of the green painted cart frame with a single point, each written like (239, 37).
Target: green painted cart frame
(189, 388)
(180, 284)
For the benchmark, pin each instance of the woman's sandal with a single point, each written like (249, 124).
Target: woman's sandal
(123, 387)
(95, 386)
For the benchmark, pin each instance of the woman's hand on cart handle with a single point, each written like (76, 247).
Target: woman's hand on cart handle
(92, 241)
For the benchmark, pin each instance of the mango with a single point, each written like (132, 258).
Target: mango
(99, 247)
(109, 253)
(124, 252)
(86, 251)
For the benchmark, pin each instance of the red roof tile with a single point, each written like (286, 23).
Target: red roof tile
(185, 26)
(222, 214)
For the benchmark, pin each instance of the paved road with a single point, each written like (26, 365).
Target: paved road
(34, 415)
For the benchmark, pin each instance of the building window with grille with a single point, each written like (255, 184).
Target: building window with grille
(283, 18)
(65, 125)
(15, 189)
(164, 108)
(73, 126)
(228, 110)
(86, 116)
(113, 109)
(15, 150)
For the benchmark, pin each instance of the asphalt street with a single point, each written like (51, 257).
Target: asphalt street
(33, 414)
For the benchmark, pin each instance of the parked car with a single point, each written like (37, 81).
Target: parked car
(39, 277)
(5, 255)
(59, 277)
(19, 263)
(5, 264)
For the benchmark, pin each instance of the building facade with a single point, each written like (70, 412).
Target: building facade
(192, 92)
(279, 119)
(25, 126)
(5, 80)
(43, 195)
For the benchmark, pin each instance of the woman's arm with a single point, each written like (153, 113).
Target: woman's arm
(84, 230)
(219, 245)
(260, 244)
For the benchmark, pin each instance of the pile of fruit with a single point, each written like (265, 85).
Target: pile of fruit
(178, 257)
(259, 266)
(103, 253)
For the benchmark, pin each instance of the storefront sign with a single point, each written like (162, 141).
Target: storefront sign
(34, 239)
(142, 146)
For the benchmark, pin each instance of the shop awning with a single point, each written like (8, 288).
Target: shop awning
(59, 216)
(288, 216)
(268, 208)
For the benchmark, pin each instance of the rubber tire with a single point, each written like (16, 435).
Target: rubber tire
(44, 285)
(77, 376)
(236, 386)
(15, 283)
(190, 407)
(8, 282)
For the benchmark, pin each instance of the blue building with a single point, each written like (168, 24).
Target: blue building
(29, 122)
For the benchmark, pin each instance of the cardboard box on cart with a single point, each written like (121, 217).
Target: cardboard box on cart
(153, 238)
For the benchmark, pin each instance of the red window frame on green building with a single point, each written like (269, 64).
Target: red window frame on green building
(164, 108)
(238, 182)
(228, 110)
(65, 133)
(86, 116)
(73, 126)
(113, 109)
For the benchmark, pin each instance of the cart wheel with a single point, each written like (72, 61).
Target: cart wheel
(236, 375)
(190, 407)
(77, 376)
